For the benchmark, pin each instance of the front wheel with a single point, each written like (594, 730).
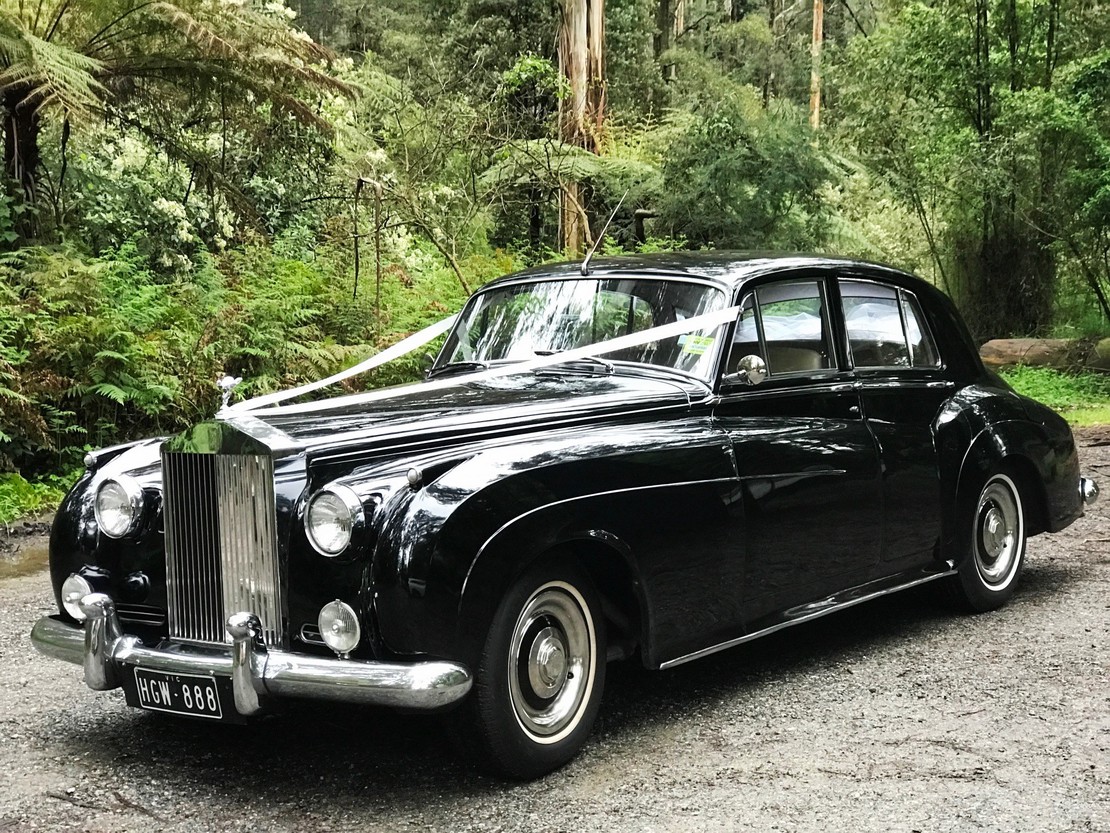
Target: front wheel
(539, 682)
(996, 550)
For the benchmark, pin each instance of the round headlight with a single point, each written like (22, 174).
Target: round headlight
(333, 515)
(119, 505)
(339, 627)
(74, 589)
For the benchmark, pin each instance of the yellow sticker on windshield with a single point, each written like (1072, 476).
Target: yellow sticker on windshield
(695, 345)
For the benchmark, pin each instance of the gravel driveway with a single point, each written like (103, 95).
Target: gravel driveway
(895, 715)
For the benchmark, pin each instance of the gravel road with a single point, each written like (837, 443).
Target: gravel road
(893, 716)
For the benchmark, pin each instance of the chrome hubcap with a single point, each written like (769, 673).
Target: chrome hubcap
(995, 534)
(551, 662)
(998, 531)
(547, 663)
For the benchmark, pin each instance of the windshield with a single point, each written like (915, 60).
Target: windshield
(522, 321)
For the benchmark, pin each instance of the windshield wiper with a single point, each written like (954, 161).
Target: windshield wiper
(456, 367)
(608, 366)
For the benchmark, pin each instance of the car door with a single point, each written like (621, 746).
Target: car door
(902, 388)
(808, 465)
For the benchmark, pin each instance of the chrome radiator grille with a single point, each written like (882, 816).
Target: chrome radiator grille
(221, 544)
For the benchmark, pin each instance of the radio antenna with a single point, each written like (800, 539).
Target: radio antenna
(600, 237)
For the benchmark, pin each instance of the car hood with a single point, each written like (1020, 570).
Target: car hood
(414, 416)
(492, 406)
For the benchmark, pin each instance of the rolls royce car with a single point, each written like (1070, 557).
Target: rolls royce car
(651, 459)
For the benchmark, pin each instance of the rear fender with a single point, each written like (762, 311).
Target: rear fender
(1047, 469)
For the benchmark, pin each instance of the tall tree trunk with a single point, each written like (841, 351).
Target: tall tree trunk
(582, 113)
(777, 21)
(815, 57)
(595, 70)
(535, 221)
(661, 42)
(22, 158)
(670, 20)
(1013, 35)
(983, 95)
(1050, 42)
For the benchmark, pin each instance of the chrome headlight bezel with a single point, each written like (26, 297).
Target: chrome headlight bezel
(342, 497)
(132, 494)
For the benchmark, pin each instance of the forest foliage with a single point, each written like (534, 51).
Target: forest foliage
(275, 189)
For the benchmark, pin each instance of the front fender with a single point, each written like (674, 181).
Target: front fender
(448, 551)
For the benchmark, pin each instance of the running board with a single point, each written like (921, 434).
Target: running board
(815, 610)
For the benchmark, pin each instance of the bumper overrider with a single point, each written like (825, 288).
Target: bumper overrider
(1088, 491)
(256, 673)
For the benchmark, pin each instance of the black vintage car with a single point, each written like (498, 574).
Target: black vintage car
(656, 457)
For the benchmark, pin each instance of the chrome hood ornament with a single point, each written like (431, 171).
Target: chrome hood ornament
(227, 384)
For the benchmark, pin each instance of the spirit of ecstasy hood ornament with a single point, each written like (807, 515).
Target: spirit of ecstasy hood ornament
(226, 385)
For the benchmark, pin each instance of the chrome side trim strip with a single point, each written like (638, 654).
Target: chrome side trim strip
(823, 609)
(794, 474)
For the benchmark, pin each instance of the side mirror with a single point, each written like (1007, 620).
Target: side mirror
(751, 370)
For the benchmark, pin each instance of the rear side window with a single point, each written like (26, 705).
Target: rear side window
(885, 327)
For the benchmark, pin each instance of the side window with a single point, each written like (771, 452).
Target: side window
(786, 325)
(923, 352)
(885, 327)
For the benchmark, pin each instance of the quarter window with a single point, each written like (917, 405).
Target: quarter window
(885, 327)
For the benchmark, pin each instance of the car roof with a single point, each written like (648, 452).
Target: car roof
(727, 269)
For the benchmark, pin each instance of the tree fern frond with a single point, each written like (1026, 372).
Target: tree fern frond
(307, 75)
(551, 162)
(196, 32)
(54, 74)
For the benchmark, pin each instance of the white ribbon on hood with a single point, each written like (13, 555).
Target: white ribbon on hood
(612, 345)
(401, 348)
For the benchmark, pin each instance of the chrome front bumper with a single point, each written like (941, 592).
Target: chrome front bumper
(256, 673)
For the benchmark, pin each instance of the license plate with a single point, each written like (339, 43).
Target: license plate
(188, 694)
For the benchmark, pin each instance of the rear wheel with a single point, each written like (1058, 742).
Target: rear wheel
(996, 549)
(539, 682)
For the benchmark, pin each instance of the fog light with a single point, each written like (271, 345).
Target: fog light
(339, 627)
(74, 589)
(119, 505)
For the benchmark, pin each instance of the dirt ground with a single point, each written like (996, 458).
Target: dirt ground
(896, 715)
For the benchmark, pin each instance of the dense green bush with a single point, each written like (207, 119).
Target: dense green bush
(95, 350)
(20, 497)
(1059, 390)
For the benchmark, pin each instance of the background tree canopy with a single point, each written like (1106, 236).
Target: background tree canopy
(274, 189)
